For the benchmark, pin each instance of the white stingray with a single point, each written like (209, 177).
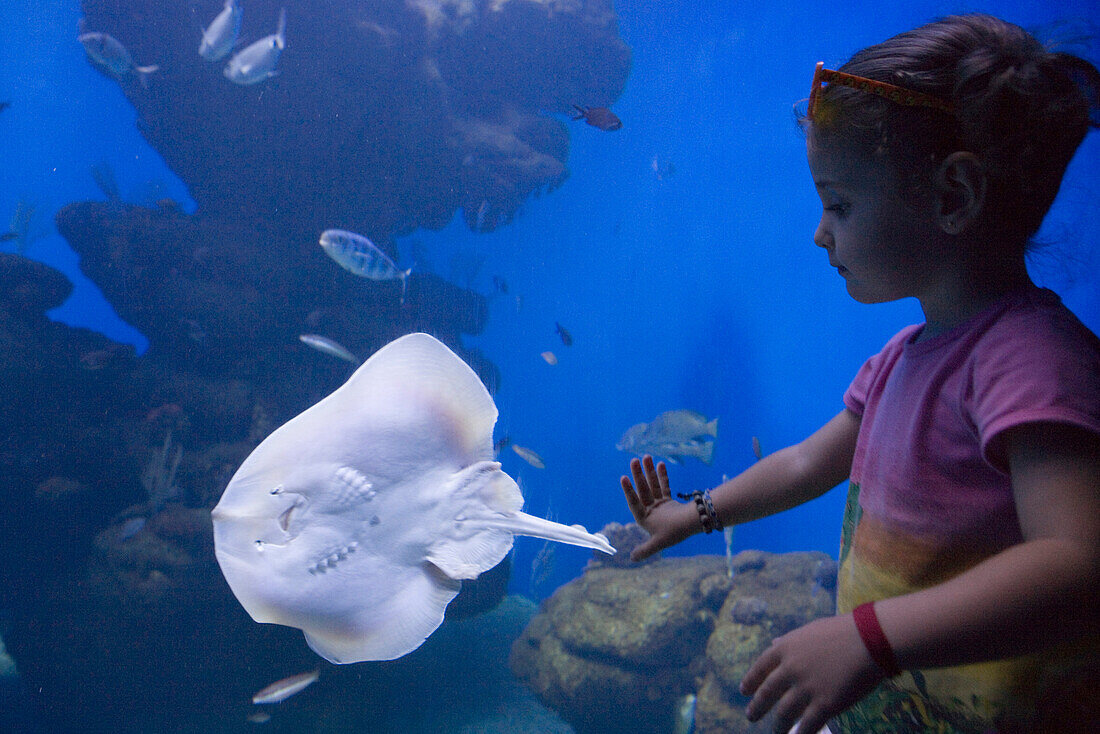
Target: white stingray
(357, 520)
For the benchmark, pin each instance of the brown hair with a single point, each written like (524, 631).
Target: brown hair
(1021, 109)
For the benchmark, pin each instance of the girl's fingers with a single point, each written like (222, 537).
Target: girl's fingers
(662, 479)
(653, 480)
(812, 721)
(641, 482)
(763, 687)
(788, 711)
(633, 502)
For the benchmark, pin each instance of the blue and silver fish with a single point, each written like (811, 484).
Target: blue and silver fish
(329, 347)
(108, 54)
(357, 254)
(221, 35)
(257, 62)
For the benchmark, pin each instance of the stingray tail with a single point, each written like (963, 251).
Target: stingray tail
(520, 523)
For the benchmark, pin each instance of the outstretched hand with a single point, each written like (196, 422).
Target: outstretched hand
(653, 507)
(810, 675)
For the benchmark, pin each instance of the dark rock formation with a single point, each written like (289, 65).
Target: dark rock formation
(230, 298)
(110, 462)
(617, 649)
(385, 116)
(29, 288)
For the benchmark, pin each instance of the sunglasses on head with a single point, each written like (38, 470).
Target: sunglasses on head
(894, 93)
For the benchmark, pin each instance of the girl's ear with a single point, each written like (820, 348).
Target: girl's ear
(960, 186)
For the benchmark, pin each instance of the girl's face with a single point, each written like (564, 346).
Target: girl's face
(884, 245)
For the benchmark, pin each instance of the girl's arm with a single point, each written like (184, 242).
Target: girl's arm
(777, 482)
(1038, 593)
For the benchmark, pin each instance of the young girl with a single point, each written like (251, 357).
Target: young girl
(969, 587)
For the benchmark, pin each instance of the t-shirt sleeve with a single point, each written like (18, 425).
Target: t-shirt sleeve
(855, 397)
(1036, 371)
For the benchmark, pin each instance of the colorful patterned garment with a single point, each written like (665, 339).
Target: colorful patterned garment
(930, 497)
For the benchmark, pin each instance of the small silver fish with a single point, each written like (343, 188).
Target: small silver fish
(529, 456)
(283, 689)
(357, 254)
(550, 358)
(108, 54)
(257, 62)
(258, 717)
(330, 347)
(221, 35)
(685, 715)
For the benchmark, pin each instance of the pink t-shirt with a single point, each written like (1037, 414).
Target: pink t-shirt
(930, 496)
(929, 460)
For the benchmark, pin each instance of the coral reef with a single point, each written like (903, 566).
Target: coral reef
(384, 116)
(649, 635)
(108, 476)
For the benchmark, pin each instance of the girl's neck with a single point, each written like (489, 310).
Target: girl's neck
(964, 292)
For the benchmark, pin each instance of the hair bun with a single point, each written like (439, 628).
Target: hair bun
(1085, 78)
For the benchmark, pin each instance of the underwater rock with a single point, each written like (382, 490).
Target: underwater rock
(227, 299)
(424, 107)
(652, 634)
(29, 288)
(624, 538)
(622, 634)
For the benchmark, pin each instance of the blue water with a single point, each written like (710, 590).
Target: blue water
(700, 291)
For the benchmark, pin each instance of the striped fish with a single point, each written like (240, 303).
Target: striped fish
(283, 689)
(356, 254)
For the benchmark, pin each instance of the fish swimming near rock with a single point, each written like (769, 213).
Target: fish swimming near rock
(256, 62)
(599, 117)
(109, 55)
(220, 36)
(673, 435)
(328, 346)
(357, 254)
(358, 520)
(283, 689)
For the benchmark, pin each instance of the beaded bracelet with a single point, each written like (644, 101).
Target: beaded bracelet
(707, 514)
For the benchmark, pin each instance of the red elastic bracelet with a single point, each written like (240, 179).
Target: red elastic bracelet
(874, 639)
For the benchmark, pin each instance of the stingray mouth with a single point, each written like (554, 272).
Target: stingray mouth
(293, 504)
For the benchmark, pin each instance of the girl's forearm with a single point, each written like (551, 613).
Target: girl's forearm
(774, 484)
(792, 475)
(1023, 599)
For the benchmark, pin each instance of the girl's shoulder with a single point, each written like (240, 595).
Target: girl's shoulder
(1038, 323)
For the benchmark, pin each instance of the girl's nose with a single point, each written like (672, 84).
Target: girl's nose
(821, 237)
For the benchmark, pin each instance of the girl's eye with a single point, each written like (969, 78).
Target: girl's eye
(839, 210)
